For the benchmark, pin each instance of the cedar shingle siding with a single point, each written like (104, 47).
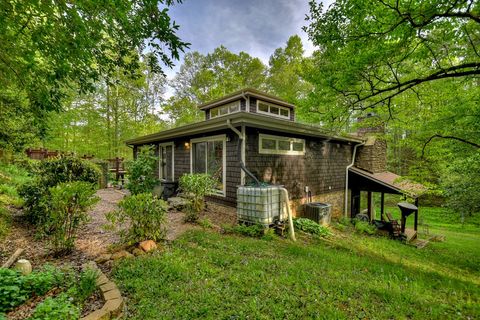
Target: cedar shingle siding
(322, 168)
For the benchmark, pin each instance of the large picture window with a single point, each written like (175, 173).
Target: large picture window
(208, 155)
(269, 144)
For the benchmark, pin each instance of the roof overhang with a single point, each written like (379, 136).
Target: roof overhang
(239, 119)
(244, 93)
(386, 182)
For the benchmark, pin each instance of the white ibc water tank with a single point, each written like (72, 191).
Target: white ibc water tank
(261, 205)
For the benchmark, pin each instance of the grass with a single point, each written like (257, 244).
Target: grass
(211, 276)
(11, 177)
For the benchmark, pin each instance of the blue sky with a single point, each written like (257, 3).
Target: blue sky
(256, 27)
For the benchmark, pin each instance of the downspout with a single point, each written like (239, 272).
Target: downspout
(346, 177)
(241, 138)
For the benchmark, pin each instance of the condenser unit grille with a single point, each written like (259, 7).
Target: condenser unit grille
(318, 212)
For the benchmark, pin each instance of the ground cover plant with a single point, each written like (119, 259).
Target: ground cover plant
(208, 275)
(72, 290)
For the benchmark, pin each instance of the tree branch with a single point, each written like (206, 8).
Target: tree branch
(476, 145)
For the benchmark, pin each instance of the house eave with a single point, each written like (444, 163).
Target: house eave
(238, 119)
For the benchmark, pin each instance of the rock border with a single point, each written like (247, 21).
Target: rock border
(113, 306)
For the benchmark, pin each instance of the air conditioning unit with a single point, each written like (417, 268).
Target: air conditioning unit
(319, 212)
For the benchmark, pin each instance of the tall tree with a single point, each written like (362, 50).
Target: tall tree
(49, 47)
(285, 73)
(374, 50)
(205, 77)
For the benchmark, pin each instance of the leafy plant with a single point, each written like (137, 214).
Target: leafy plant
(12, 292)
(84, 287)
(59, 307)
(40, 282)
(69, 204)
(364, 227)
(196, 186)
(141, 172)
(146, 215)
(50, 173)
(205, 223)
(310, 226)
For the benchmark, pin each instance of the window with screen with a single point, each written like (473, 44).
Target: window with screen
(273, 109)
(269, 144)
(225, 109)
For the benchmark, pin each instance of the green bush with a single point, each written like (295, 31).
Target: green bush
(310, 226)
(145, 214)
(56, 308)
(12, 292)
(36, 193)
(141, 172)
(196, 186)
(69, 203)
(364, 227)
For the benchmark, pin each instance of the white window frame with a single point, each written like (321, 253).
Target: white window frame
(166, 144)
(273, 105)
(220, 137)
(292, 152)
(234, 103)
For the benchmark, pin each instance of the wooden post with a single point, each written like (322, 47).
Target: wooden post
(369, 204)
(382, 206)
(415, 224)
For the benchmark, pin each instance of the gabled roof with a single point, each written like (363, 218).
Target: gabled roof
(243, 93)
(390, 182)
(241, 118)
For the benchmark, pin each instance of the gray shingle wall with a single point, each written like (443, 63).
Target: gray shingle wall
(322, 168)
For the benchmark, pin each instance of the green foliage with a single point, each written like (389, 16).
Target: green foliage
(12, 293)
(310, 226)
(59, 307)
(44, 58)
(196, 186)
(205, 223)
(271, 278)
(461, 184)
(146, 217)
(254, 230)
(16, 288)
(84, 287)
(141, 172)
(50, 173)
(69, 203)
(40, 282)
(364, 227)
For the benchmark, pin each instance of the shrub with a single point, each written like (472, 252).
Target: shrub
(141, 172)
(59, 307)
(69, 205)
(36, 193)
(12, 293)
(196, 186)
(146, 214)
(310, 226)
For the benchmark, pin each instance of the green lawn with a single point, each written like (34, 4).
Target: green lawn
(213, 276)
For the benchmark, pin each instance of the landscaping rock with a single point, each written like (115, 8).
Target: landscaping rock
(147, 245)
(177, 203)
(24, 266)
(121, 254)
(137, 252)
(103, 258)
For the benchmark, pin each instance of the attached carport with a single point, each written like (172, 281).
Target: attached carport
(383, 183)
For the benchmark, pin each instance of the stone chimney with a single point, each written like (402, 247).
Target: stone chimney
(371, 157)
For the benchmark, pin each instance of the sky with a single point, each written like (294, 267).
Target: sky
(257, 27)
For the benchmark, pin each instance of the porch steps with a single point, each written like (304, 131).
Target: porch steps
(419, 243)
